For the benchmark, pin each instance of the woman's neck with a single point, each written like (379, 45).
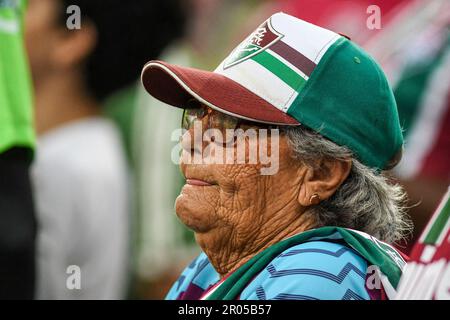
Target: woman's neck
(227, 254)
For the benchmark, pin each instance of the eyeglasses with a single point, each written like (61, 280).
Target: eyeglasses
(196, 111)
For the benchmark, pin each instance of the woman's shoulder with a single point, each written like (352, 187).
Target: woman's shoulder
(312, 270)
(326, 254)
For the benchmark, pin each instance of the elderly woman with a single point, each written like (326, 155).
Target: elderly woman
(314, 228)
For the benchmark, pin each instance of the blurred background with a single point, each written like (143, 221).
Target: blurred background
(97, 184)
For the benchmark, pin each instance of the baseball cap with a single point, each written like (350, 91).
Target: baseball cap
(290, 72)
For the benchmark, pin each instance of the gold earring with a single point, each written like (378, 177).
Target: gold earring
(315, 199)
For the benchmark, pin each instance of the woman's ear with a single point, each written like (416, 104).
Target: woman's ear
(322, 180)
(73, 46)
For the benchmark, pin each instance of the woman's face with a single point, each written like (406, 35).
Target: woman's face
(235, 199)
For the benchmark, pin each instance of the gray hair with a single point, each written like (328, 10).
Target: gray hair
(365, 201)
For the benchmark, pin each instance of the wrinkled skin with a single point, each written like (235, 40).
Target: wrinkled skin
(242, 212)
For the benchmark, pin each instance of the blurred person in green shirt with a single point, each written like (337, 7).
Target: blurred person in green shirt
(17, 220)
(80, 175)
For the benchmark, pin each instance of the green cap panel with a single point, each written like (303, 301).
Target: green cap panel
(349, 101)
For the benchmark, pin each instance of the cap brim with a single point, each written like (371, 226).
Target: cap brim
(175, 85)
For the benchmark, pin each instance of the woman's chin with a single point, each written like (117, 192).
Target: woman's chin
(194, 212)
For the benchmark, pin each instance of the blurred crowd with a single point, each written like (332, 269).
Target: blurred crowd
(102, 183)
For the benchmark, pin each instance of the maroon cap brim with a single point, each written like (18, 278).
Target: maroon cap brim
(175, 85)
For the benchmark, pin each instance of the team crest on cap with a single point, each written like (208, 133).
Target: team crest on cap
(261, 39)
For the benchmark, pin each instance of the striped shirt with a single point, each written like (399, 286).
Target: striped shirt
(315, 270)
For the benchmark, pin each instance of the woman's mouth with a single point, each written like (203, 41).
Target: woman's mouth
(196, 182)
